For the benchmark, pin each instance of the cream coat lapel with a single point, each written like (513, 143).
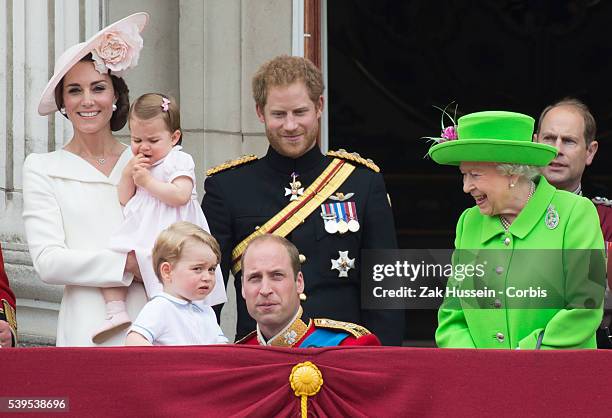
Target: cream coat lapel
(67, 165)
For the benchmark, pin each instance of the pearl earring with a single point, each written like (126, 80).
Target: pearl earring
(511, 185)
(63, 110)
(114, 107)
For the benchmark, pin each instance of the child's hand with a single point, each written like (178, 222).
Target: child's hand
(138, 159)
(127, 186)
(141, 175)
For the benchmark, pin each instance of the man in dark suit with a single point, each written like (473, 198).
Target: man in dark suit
(569, 126)
(331, 207)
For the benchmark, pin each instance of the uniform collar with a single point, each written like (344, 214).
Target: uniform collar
(526, 219)
(294, 165)
(288, 336)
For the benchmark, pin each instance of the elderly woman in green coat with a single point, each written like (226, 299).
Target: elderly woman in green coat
(540, 250)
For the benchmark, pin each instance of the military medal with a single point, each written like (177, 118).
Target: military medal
(353, 223)
(296, 189)
(343, 264)
(341, 214)
(331, 227)
(552, 217)
(329, 219)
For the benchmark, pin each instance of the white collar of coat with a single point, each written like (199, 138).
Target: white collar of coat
(67, 165)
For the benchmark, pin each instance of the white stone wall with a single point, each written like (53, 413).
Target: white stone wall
(202, 52)
(239, 36)
(33, 34)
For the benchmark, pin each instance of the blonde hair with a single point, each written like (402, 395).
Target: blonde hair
(171, 241)
(283, 71)
(149, 106)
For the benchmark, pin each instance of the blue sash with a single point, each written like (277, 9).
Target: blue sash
(323, 338)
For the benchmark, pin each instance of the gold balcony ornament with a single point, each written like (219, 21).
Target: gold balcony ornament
(306, 380)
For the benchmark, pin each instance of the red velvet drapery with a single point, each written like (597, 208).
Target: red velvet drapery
(358, 381)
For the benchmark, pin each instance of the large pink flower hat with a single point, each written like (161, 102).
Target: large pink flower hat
(115, 48)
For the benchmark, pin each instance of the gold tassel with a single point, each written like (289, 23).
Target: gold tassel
(306, 380)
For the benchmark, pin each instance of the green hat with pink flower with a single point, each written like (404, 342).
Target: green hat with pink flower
(492, 136)
(116, 48)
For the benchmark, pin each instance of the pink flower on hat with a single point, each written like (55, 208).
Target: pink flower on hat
(450, 133)
(118, 50)
(115, 47)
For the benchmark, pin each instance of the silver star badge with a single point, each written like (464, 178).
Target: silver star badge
(296, 189)
(343, 264)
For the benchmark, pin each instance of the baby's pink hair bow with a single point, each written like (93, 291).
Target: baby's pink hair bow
(165, 103)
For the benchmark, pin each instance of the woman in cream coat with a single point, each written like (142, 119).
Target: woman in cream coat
(70, 195)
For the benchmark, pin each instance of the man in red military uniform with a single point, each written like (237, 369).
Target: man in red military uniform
(569, 126)
(8, 321)
(271, 286)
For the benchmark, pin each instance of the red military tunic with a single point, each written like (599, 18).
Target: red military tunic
(604, 210)
(7, 301)
(318, 332)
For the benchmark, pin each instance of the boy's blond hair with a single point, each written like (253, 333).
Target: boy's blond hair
(171, 241)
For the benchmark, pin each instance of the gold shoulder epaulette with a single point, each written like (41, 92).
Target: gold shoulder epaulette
(353, 329)
(7, 312)
(246, 337)
(602, 201)
(353, 156)
(231, 164)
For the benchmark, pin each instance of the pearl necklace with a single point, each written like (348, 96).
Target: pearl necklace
(505, 223)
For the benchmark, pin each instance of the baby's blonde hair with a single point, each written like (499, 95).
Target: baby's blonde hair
(150, 105)
(171, 241)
